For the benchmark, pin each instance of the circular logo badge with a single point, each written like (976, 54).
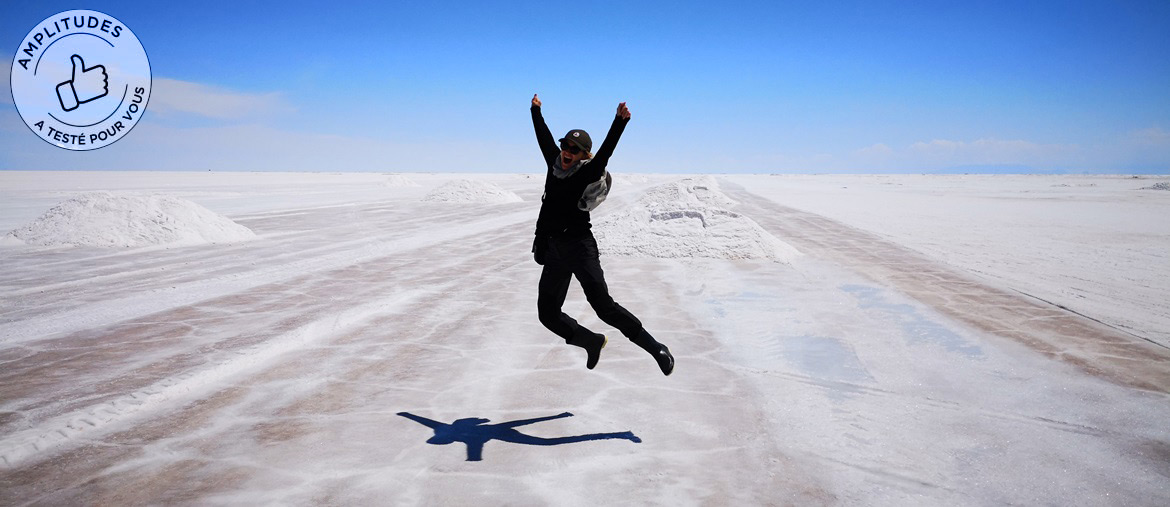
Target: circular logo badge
(80, 80)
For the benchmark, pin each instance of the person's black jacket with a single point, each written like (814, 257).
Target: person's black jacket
(559, 213)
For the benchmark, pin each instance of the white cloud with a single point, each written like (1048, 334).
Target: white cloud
(1153, 136)
(171, 96)
(154, 145)
(5, 84)
(942, 154)
(1139, 150)
(879, 150)
(991, 152)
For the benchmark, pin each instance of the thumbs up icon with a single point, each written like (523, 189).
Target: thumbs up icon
(85, 85)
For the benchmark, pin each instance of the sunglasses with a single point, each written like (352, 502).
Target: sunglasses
(571, 148)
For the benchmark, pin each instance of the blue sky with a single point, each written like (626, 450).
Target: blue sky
(1021, 86)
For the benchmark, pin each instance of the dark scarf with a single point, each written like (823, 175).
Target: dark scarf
(565, 173)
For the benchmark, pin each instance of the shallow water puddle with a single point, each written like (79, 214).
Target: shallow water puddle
(828, 359)
(918, 328)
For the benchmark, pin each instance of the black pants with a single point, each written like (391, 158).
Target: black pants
(576, 255)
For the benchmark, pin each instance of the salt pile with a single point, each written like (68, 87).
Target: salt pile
(1158, 186)
(687, 219)
(399, 180)
(105, 219)
(470, 191)
(632, 179)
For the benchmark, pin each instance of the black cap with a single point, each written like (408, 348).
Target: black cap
(578, 137)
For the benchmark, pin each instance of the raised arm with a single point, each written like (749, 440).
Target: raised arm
(523, 422)
(422, 420)
(601, 158)
(548, 146)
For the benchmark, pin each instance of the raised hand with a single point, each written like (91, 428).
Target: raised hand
(623, 111)
(535, 101)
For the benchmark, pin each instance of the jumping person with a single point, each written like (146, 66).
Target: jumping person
(576, 182)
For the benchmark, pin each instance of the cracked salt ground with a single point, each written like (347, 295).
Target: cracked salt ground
(275, 371)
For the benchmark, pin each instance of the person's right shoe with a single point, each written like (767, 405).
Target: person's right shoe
(592, 345)
(659, 351)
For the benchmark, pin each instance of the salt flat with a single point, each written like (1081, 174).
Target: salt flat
(939, 340)
(1098, 245)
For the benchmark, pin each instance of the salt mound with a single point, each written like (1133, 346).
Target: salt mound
(107, 219)
(687, 219)
(632, 179)
(398, 180)
(699, 191)
(471, 191)
(1158, 186)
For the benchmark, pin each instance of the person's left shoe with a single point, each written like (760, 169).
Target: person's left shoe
(661, 354)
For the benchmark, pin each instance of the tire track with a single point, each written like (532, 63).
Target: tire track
(441, 354)
(95, 274)
(1094, 348)
(236, 320)
(236, 280)
(933, 403)
(187, 380)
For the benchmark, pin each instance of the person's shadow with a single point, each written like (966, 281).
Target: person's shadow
(473, 432)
